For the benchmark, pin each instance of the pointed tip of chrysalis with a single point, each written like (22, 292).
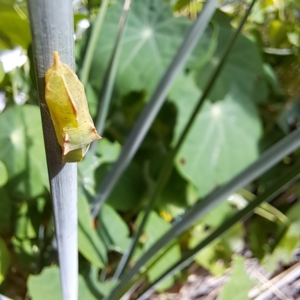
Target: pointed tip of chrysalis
(56, 58)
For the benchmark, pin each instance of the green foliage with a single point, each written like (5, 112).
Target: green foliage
(243, 68)
(3, 174)
(154, 229)
(239, 283)
(14, 17)
(89, 243)
(254, 102)
(115, 234)
(47, 286)
(4, 260)
(23, 152)
(128, 191)
(231, 127)
(151, 39)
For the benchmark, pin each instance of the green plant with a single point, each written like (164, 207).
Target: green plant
(192, 119)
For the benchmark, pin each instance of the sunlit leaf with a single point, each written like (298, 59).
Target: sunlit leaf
(150, 41)
(223, 140)
(47, 286)
(23, 151)
(243, 68)
(113, 229)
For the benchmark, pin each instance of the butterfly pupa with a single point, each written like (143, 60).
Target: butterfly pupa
(67, 103)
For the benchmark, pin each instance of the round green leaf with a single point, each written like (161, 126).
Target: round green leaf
(243, 68)
(150, 41)
(222, 141)
(113, 230)
(47, 286)
(23, 150)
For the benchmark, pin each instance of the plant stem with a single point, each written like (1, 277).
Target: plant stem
(52, 30)
(88, 57)
(109, 79)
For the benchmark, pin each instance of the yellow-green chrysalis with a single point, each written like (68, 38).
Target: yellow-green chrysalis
(68, 107)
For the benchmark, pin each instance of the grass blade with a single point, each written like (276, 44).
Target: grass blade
(168, 165)
(278, 186)
(268, 159)
(153, 106)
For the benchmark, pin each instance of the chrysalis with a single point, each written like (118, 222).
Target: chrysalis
(69, 111)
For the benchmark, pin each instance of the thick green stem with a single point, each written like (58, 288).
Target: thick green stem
(52, 30)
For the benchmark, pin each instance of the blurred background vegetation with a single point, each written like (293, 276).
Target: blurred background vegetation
(255, 102)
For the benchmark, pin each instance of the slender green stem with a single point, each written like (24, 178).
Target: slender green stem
(280, 185)
(96, 29)
(268, 159)
(266, 207)
(168, 165)
(109, 79)
(52, 30)
(276, 213)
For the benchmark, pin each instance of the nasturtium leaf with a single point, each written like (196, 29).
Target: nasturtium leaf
(89, 243)
(239, 284)
(108, 151)
(113, 229)
(67, 103)
(47, 286)
(222, 141)
(244, 66)
(23, 151)
(150, 41)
